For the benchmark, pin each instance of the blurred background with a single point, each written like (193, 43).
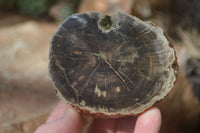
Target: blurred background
(27, 95)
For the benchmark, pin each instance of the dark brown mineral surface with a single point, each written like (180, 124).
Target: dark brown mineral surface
(111, 65)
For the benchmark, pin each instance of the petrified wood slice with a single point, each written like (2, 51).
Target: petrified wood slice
(111, 65)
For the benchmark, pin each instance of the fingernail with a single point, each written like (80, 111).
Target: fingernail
(151, 112)
(149, 121)
(152, 117)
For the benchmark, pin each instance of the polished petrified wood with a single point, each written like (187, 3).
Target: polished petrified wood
(111, 65)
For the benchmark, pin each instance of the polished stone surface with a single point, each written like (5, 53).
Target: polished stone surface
(111, 64)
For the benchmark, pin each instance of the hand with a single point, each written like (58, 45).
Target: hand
(65, 120)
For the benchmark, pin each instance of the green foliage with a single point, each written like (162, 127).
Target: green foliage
(7, 4)
(66, 11)
(34, 8)
(72, 1)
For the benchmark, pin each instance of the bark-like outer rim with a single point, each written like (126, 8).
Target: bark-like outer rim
(133, 111)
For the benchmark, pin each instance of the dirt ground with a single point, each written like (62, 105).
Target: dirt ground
(26, 92)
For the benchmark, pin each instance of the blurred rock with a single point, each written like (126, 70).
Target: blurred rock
(147, 8)
(106, 6)
(61, 11)
(26, 126)
(7, 19)
(142, 9)
(31, 125)
(190, 39)
(190, 58)
(159, 4)
(192, 70)
(185, 13)
(25, 88)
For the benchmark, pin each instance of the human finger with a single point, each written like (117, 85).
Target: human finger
(103, 125)
(71, 122)
(149, 121)
(126, 125)
(58, 111)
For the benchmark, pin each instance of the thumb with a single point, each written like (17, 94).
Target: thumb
(71, 122)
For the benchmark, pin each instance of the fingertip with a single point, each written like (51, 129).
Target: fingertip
(73, 120)
(151, 114)
(73, 115)
(58, 111)
(41, 129)
(149, 121)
